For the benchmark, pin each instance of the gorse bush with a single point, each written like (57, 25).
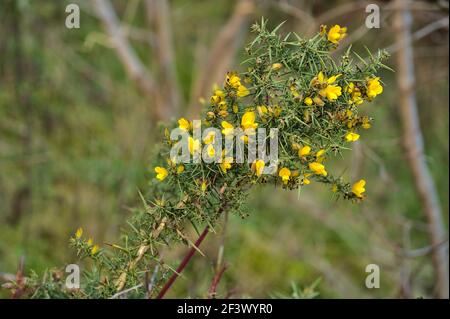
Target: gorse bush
(290, 84)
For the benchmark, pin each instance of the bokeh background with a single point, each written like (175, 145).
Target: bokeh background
(79, 113)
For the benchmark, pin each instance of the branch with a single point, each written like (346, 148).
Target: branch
(222, 52)
(131, 62)
(414, 146)
(215, 282)
(158, 13)
(183, 264)
(421, 33)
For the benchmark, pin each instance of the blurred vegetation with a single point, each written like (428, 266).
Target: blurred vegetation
(77, 138)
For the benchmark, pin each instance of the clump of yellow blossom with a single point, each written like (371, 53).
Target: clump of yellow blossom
(227, 128)
(355, 94)
(193, 145)
(308, 101)
(258, 167)
(79, 233)
(234, 81)
(318, 168)
(336, 34)
(276, 66)
(374, 87)
(184, 124)
(328, 89)
(359, 188)
(95, 249)
(305, 150)
(352, 137)
(285, 174)
(161, 173)
(226, 164)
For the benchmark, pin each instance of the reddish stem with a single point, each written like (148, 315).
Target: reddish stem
(213, 289)
(183, 264)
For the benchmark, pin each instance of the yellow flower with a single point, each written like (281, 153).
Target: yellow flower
(180, 169)
(308, 101)
(352, 137)
(258, 167)
(223, 113)
(210, 150)
(248, 121)
(242, 91)
(331, 92)
(328, 89)
(227, 128)
(318, 101)
(285, 174)
(233, 80)
(79, 233)
(193, 145)
(277, 110)
(295, 146)
(184, 124)
(318, 168)
(305, 150)
(262, 110)
(277, 66)
(319, 156)
(337, 33)
(294, 91)
(334, 188)
(89, 242)
(355, 94)
(161, 173)
(219, 93)
(358, 188)
(322, 80)
(374, 87)
(222, 105)
(94, 249)
(306, 180)
(210, 137)
(226, 164)
(366, 123)
(204, 186)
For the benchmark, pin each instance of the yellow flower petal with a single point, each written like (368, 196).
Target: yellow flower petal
(359, 188)
(161, 173)
(318, 168)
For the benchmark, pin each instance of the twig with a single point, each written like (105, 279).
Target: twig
(158, 13)
(183, 264)
(152, 281)
(192, 251)
(215, 282)
(123, 292)
(133, 65)
(421, 33)
(414, 146)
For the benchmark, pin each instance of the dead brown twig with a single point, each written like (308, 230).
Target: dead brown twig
(414, 146)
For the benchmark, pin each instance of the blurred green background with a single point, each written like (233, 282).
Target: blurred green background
(77, 136)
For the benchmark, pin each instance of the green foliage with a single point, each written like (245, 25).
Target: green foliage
(308, 292)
